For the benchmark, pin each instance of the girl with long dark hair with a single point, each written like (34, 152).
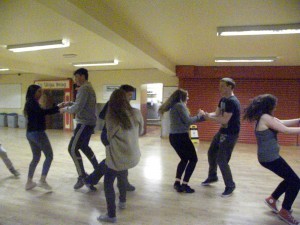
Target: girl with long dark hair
(37, 136)
(124, 125)
(260, 111)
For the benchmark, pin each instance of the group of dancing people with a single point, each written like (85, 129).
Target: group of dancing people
(124, 124)
(228, 113)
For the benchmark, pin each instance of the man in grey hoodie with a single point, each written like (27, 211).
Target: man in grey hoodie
(85, 109)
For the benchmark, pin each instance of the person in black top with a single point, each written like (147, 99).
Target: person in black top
(37, 136)
(228, 115)
(98, 173)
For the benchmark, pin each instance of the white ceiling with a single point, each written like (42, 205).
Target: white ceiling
(143, 33)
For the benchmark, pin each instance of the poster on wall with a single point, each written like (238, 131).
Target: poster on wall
(108, 90)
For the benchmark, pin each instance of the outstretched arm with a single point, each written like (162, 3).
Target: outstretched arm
(276, 124)
(291, 122)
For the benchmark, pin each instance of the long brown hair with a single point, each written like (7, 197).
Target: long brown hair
(119, 110)
(261, 104)
(179, 95)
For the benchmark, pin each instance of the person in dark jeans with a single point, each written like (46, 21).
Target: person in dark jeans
(260, 110)
(222, 145)
(180, 121)
(124, 125)
(100, 170)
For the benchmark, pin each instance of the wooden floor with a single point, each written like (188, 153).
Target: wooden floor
(153, 202)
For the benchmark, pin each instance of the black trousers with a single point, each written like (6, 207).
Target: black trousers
(290, 185)
(186, 151)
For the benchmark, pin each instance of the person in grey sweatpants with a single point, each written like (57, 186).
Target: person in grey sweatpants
(228, 115)
(7, 162)
(85, 109)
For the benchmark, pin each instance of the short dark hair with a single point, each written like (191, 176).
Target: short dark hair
(82, 71)
(127, 88)
(229, 81)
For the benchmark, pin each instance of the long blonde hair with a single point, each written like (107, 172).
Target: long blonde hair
(179, 95)
(119, 110)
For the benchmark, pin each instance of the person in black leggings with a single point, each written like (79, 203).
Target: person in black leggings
(260, 110)
(180, 121)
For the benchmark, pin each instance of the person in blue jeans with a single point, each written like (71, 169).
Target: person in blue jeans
(261, 110)
(36, 135)
(228, 115)
(98, 173)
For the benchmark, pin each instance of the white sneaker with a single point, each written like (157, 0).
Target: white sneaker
(30, 185)
(45, 185)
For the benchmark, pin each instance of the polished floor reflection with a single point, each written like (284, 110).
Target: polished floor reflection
(153, 202)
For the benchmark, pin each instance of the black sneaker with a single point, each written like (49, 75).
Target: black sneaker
(209, 181)
(177, 187)
(79, 183)
(228, 192)
(187, 189)
(88, 184)
(130, 187)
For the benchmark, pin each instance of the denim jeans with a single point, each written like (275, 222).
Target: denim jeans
(219, 154)
(39, 142)
(110, 194)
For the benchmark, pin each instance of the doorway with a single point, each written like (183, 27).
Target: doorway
(154, 101)
(48, 100)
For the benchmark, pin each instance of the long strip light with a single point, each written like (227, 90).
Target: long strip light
(103, 63)
(246, 59)
(39, 46)
(259, 30)
(4, 69)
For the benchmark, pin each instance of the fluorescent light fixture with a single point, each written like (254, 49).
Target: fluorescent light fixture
(39, 46)
(4, 69)
(246, 59)
(259, 30)
(103, 63)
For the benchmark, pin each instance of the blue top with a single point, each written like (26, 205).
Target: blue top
(268, 148)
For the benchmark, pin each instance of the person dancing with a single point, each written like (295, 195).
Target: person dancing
(261, 110)
(124, 125)
(180, 122)
(36, 135)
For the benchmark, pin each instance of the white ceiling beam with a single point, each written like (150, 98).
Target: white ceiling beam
(100, 19)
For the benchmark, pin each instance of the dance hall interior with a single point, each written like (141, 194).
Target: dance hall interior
(157, 47)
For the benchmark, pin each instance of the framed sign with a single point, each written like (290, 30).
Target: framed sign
(108, 90)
